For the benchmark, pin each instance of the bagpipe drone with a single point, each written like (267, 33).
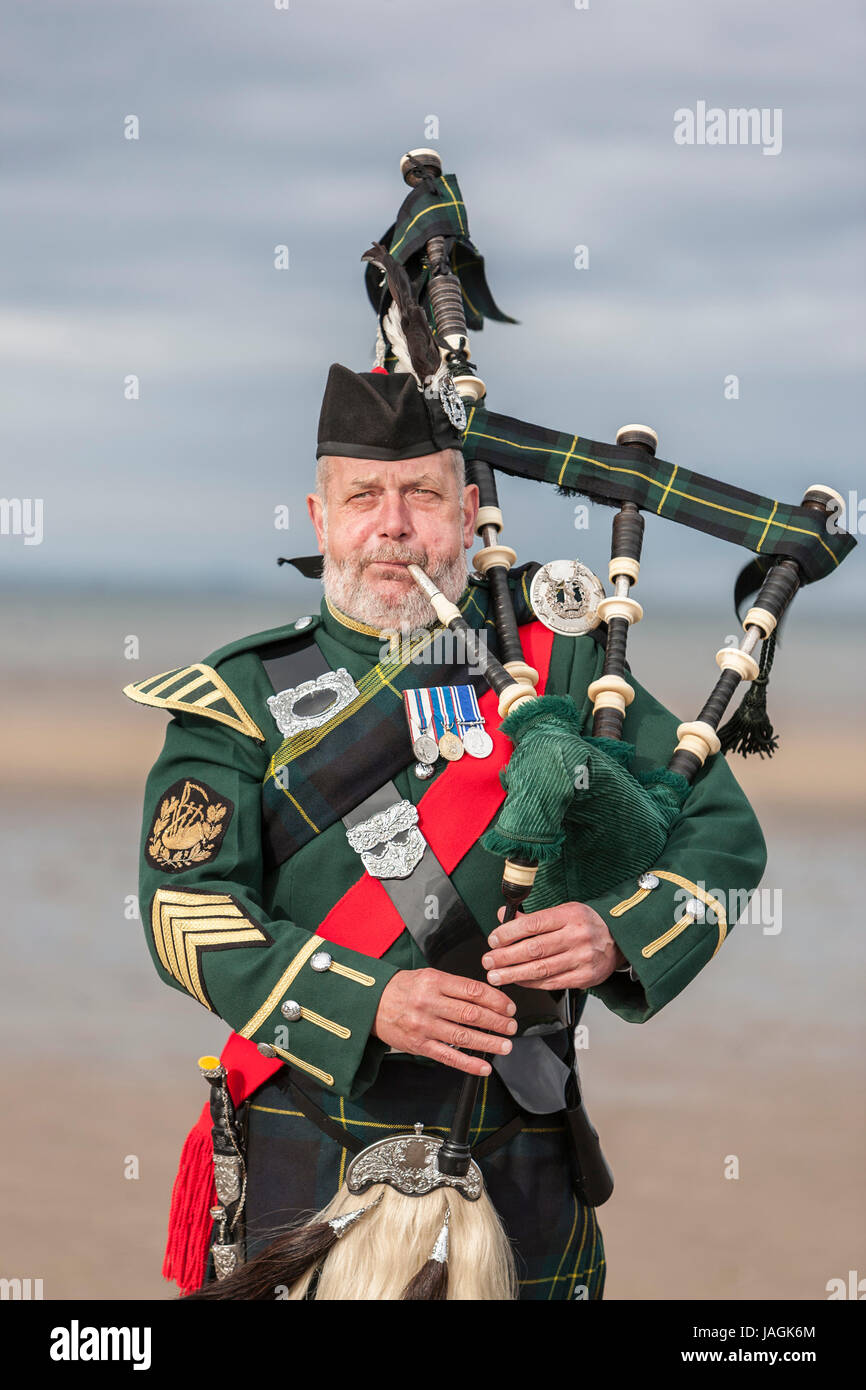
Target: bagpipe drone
(413, 1202)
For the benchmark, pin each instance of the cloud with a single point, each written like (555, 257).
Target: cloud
(262, 127)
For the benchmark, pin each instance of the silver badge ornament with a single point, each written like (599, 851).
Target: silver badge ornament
(389, 843)
(451, 403)
(565, 596)
(312, 704)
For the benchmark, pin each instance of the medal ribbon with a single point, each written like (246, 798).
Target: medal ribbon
(467, 704)
(437, 705)
(448, 701)
(414, 713)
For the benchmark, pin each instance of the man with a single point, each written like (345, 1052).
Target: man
(261, 896)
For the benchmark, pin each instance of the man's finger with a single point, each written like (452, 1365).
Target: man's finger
(570, 981)
(529, 924)
(546, 944)
(460, 1061)
(534, 971)
(455, 1035)
(474, 1016)
(476, 992)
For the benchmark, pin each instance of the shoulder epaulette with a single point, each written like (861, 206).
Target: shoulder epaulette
(200, 689)
(197, 689)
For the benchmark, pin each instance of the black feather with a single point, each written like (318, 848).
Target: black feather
(423, 351)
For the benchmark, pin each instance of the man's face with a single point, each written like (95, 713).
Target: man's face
(383, 516)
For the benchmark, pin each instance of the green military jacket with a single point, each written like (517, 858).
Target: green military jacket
(240, 937)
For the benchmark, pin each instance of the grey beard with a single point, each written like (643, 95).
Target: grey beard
(343, 581)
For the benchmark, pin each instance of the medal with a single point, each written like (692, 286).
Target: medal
(476, 740)
(423, 771)
(420, 717)
(426, 749)
(449, 744)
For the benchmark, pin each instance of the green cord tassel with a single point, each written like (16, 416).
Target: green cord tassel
(749, 730)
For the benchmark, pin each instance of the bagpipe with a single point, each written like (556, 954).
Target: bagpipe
(424, 1214)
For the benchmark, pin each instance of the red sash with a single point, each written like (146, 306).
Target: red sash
(364, 920)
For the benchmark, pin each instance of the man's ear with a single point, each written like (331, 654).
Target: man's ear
(470, 512)
(314, 508)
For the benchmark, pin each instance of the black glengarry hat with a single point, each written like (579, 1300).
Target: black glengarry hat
(381, 415)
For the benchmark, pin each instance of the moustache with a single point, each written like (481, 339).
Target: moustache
(392, 556)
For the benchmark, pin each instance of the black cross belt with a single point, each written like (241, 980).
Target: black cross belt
(451, 940)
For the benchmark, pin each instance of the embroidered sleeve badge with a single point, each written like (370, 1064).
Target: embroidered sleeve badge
(188, 827)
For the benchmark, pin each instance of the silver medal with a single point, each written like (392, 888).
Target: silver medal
(426, 749)
(477, 741)
(565, 596)
(423, 771)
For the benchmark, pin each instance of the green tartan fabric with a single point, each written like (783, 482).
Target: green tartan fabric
(611, 474)
(293, 1168)
(424, 215)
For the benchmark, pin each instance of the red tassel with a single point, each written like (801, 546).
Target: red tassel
(189, 1222)
(379, 371)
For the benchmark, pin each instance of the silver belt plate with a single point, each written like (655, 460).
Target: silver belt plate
(389, 843)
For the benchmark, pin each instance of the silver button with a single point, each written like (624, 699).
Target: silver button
(322, 961)
(648, 881)
(291, 1010)
(302, 623)
(265, 1049)
(694, 907)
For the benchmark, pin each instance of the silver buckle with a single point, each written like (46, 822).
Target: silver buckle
(307, 706)
(389, 843)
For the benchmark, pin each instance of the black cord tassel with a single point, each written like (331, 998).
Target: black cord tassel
(749, 730)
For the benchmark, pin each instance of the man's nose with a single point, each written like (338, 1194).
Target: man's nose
(395, 516)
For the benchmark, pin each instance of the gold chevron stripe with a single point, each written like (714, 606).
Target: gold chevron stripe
(184, 925)
(201, 678)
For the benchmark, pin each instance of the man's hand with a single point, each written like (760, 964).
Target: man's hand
(563, 947)
(432, 1014)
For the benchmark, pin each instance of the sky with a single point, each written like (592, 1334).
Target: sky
(261, 126)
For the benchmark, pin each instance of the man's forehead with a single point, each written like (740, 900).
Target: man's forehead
(432, 467)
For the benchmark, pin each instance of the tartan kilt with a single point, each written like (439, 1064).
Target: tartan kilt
(294, 1170)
